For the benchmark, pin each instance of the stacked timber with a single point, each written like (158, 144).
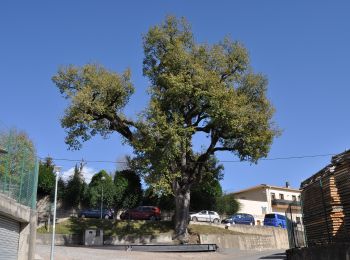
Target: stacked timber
(326, 203)
(342, 178)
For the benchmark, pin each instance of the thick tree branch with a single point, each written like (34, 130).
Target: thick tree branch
(199, 164)
(205, 129)
(224, 76)
(216, 149)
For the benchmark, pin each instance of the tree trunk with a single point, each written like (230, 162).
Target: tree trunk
(182, 205)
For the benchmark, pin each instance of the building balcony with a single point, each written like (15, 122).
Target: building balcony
(280, 203)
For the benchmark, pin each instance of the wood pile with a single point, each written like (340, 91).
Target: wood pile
(326, 203)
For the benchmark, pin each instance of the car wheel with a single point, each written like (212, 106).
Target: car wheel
(152, 218)
(280, 225)
(216, 221)
(106, 217)
(251, 223)
(82, 216)
(194, 219)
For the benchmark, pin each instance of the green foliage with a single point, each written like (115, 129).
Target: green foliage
(93, 92)
(61, 190)
(46, 179)
(159, 199)
(204, 193)
(227, 204)
(75, 189)
(101, 182)
(128, 190)
(20, 156)
(195, 89)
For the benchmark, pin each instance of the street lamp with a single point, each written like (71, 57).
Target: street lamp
(56, 170)
(102, 179)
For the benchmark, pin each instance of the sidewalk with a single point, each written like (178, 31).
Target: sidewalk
(86, 253)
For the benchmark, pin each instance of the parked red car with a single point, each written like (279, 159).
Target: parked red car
(142, 213)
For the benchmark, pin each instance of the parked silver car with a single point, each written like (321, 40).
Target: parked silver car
(206, 216)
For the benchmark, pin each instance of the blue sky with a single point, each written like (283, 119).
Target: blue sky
(303, 48)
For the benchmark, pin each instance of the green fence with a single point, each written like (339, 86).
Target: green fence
(18, 168)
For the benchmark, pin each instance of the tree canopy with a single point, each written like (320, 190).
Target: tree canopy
(100, 183)
(196, 89)
(75, 188)
(46, 179)
(20, 156)
(128, 188)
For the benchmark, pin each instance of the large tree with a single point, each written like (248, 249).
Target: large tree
(196, 89)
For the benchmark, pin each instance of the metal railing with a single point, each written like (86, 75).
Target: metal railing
(285, 202)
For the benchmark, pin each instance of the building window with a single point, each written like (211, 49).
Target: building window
(273, 196)
(299, 197)
(281, 197)
(298, 220)
(294, 198)
(263, 210)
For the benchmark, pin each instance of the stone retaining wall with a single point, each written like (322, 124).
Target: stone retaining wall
(63, 239)
(253, 237)
(258, 238)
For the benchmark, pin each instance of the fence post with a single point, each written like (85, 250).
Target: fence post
(291, 217)
(35, 183)
(21, 181)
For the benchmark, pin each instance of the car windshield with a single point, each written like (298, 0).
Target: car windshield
(270, 216)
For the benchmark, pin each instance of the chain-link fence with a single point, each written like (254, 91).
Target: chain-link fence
(18, 168)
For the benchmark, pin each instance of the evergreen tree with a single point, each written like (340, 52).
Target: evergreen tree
(46, 179)
(128, 189)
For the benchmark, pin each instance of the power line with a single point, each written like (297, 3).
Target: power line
(219, 161)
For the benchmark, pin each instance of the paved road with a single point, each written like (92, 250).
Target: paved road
(84, 253)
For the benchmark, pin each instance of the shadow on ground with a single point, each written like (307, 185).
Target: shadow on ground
(275, 256)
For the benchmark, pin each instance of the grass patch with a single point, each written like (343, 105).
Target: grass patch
(112, 227)
(131, 228)
(206, 229)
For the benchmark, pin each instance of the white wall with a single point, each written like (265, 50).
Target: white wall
(256, 208)
(256, 195)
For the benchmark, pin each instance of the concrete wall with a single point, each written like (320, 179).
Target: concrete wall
(242, 242)
(148, 239)
(27, 219)
(253, 237)
(62, 239)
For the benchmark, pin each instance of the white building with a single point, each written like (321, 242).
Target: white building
(264, 199)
